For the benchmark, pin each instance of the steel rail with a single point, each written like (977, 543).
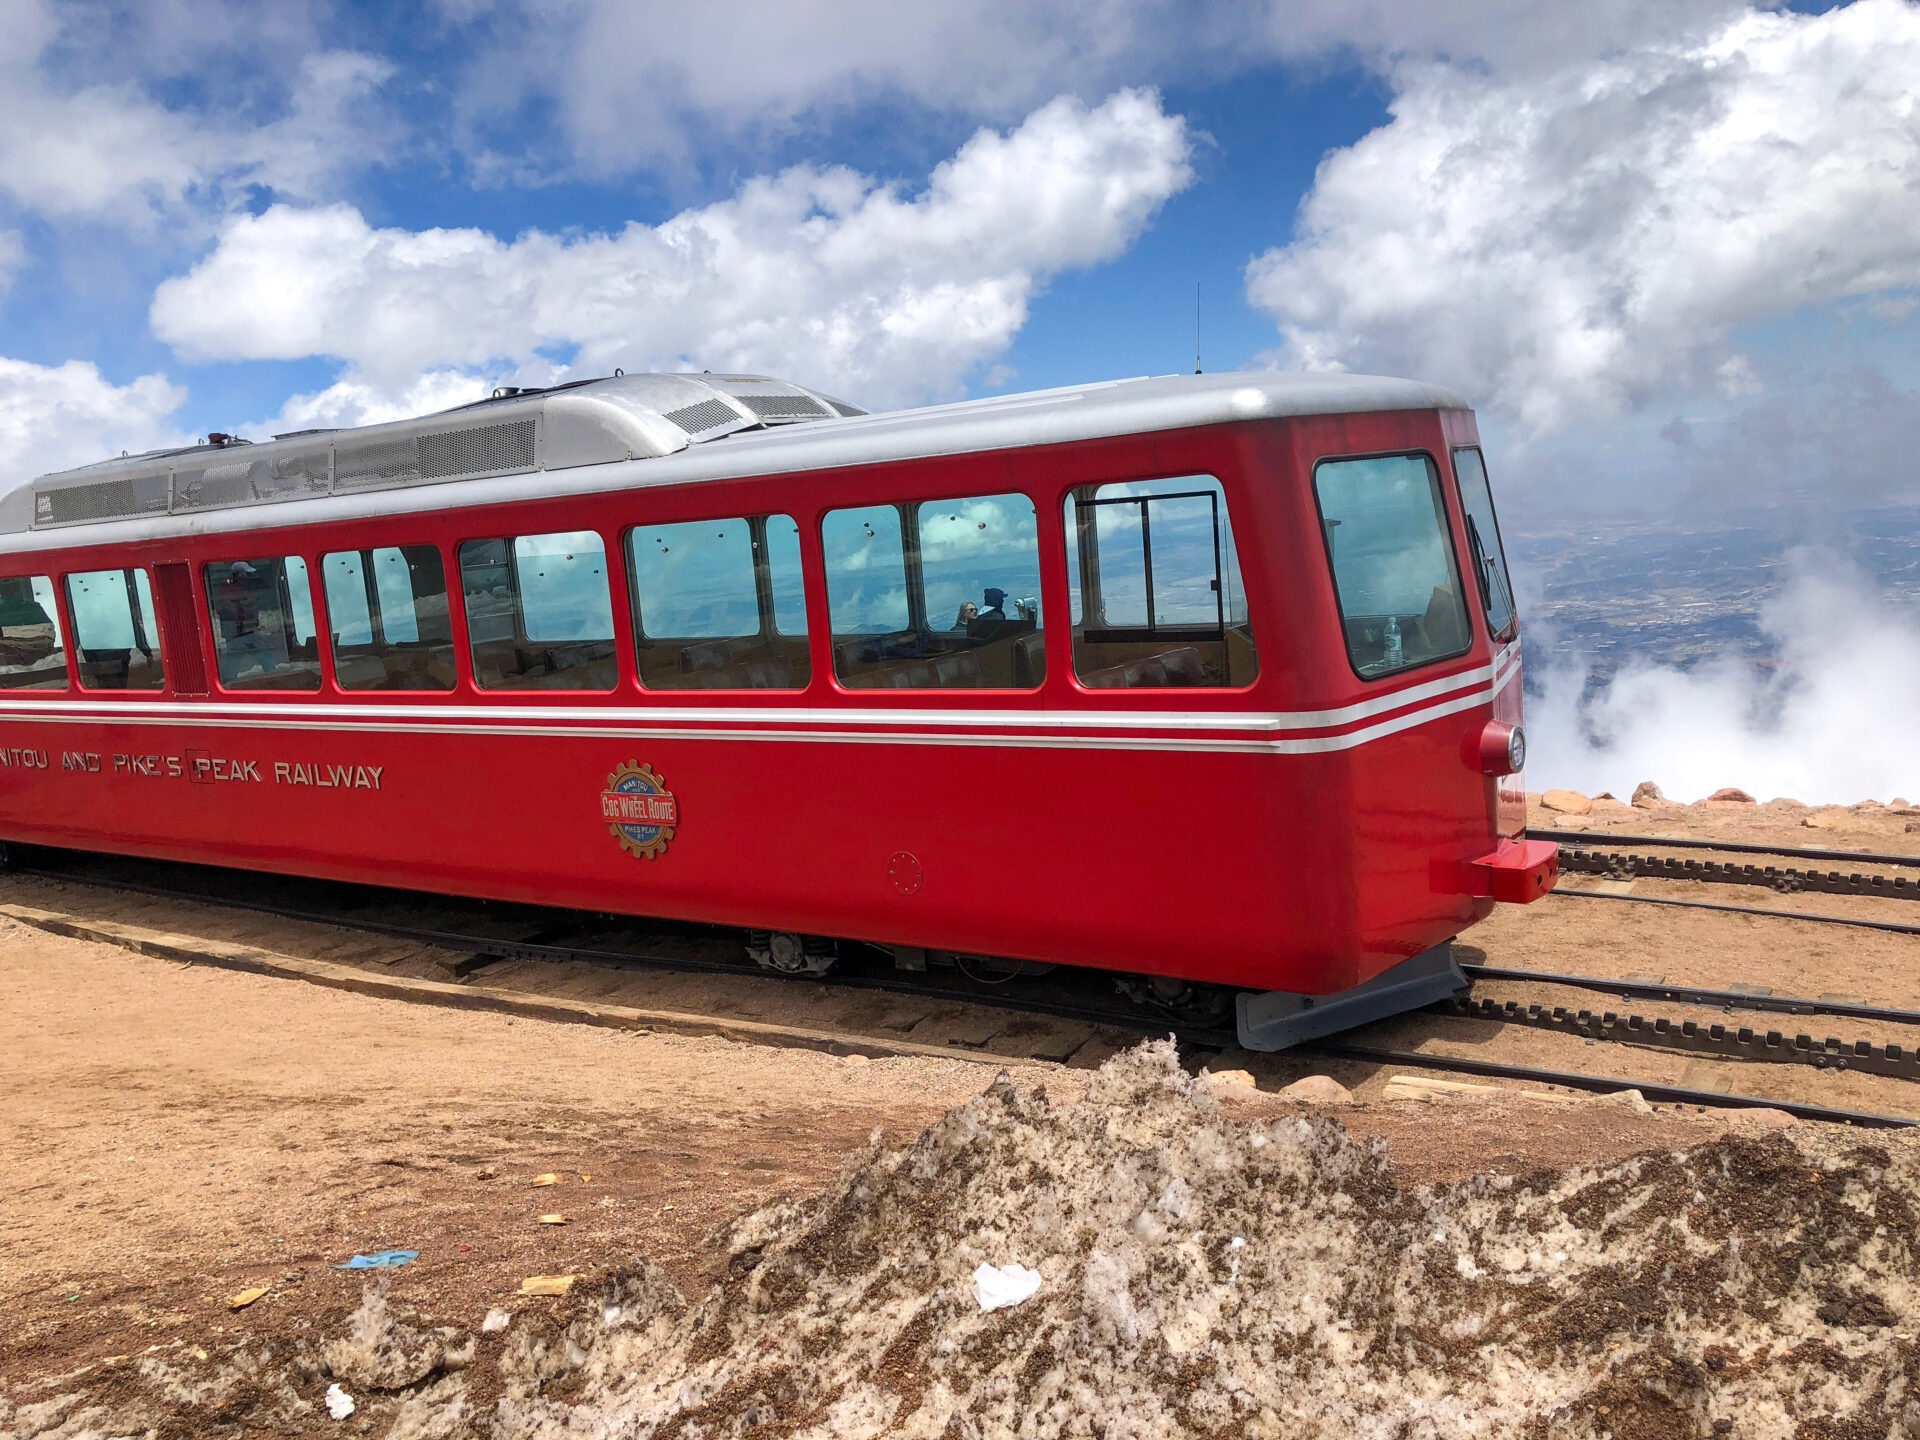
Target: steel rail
(1891, 925)
(1691, 995)
(1132, 1021)
(538, 950)
(1721, 1042)
(1732, 847)
(1575, 1080)
(1625, 865)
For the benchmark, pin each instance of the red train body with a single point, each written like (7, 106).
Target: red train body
(1249, 806)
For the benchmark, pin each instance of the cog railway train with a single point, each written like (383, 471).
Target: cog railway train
(1212, 679)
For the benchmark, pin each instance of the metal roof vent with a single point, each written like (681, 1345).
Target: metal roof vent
(125, 498)
(588, 422)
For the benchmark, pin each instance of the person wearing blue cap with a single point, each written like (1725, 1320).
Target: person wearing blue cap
(996, 606)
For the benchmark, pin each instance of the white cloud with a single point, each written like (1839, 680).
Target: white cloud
(824, 275)
(1568, 241)
(74, 145)
(354, 400)
(631, 83)
(1833, 722)
(54, 417)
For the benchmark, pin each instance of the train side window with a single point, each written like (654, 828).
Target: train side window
(114, 635)
(718, 604)
(1483, 543)
(32, 655)
(936, 594)
(1153, 580)
(1386, 532)
(388, 618)
(539, 612)
(263, 631)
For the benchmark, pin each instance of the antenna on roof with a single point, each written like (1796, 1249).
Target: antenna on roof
(1196, 327)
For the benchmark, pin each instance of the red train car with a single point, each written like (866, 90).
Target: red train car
(1208, 678)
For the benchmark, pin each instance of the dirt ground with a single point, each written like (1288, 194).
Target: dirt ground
(175, 1135)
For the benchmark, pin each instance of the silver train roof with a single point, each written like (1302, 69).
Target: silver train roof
(626, 432)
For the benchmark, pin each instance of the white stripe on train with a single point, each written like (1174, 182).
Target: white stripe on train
(253, 719)
(680, 719)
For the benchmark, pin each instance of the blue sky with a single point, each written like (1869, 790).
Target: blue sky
(1657, 245)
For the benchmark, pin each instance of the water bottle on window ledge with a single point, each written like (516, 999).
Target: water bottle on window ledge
(1393, 642)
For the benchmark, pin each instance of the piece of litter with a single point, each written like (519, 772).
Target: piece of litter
(339, 1402)
(546, 1285)
(380, 1260)
(584, 1177)
(554, 1219)
(198, 1353)
(998, 1286)
(550, 1178)
(496, 1321)
(245, 1297)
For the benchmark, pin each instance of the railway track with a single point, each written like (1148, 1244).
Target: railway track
(1076, 998)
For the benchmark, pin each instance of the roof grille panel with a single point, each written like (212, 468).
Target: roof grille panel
(311, 473)
(704, 415)
(483, 450)
(250, 482)
(130, 498)
(217, 483)
(785, 407)
(847, 411)
(374, 465)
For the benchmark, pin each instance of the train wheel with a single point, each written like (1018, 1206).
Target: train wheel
(9, 857)
(789, 953)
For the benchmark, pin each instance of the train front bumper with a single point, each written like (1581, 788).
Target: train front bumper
(1518, 872)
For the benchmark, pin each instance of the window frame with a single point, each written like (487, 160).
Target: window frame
(1071, 564)
(62, 623)
(161, 644)
(1511, 629)
(766, 607)
(322, 636)
(625, 673)
(331, 684)
(1437, 479)
(907, 511)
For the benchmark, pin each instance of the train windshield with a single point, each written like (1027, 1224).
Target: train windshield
(1385, 523)
(1483, 543)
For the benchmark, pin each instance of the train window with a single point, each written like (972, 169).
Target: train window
(1154, 583)
(717, 604)
(539, 613)
(1386, 535)
(388, 618)
(936, 594)
(114, 635)
(1483, 543)
(263, 631)
(32, 656)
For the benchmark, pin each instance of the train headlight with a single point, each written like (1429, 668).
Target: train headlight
(1503, 748)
